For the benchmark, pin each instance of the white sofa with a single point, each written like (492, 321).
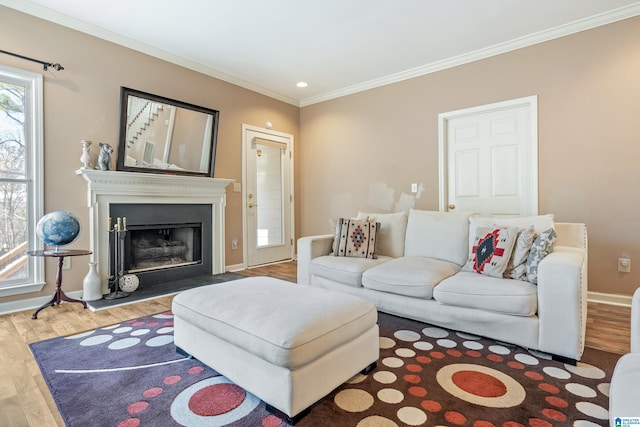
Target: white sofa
(419, 274)
(624, 394)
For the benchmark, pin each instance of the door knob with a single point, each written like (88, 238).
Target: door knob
(451, 207)
(252, 205)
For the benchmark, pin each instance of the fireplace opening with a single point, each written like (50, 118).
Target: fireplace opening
(162, 246)
(165, 242)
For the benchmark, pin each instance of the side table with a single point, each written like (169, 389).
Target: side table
(59, 295)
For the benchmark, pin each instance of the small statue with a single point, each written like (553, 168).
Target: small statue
(104, 158)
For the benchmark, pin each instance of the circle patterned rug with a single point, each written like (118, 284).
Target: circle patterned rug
(129, 375)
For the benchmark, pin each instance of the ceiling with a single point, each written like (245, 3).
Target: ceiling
(337, 46)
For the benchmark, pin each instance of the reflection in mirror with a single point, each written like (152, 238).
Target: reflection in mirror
(162, 135)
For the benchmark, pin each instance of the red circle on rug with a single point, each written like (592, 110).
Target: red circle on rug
(417, 391)
(515, 365)
(423, 359)
(554, 414)
(482, 423)
(474, 353)
(556, 401)
(130, 422)
(152, 392)
(431, 405)
(455, 417)
(137, 407)
(479, 383)
(216, 399)
(173, 379)
(195, 370)
(549, 388)
(412, 367)
(534, 375)
(271, 421)
(512, 424)
(495, 358)
(454, 353)
(537, 422)
(412, 379)
(437, 355)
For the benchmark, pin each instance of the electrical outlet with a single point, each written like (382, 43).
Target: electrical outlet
(66, 263)
(234, 244)
(237, 187)
(624, 265)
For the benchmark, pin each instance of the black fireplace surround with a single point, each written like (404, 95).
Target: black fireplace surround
(165, 242)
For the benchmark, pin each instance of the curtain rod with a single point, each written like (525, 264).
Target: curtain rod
(45, 64)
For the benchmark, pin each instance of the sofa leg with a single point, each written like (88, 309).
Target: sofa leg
(564, 359)
(181, 352)
(369, 368)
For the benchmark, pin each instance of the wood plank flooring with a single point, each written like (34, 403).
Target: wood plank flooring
(25, 399)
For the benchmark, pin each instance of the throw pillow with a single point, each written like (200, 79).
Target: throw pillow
(335, 230)
(491, 250)
(517, 266)
(542, 246)
(393, 227)
(357, 238)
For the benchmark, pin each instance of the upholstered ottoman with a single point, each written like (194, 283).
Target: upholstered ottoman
(288, 344)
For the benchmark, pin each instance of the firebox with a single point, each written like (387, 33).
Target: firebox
(165, 242)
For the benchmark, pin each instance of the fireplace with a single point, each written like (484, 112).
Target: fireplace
(165, 242)
(199, 203)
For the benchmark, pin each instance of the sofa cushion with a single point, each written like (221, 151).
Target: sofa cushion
(440, 235)
(542, 246)
(356, 238)
(471, 290)
(345, 270)
(391, 234)
(490, 250)
(410, 276)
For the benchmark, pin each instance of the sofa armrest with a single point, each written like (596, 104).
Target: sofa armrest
(562, 301)
(309, 248)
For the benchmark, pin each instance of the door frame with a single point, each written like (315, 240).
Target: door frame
(443, 151)
(290, 145)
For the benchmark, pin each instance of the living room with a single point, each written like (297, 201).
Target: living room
(350, 148)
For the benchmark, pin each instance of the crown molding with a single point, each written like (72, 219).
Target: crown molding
(500, 48)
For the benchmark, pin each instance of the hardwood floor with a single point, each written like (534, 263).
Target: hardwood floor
(25, 399)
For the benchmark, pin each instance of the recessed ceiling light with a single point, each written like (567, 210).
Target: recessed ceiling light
(302, 84)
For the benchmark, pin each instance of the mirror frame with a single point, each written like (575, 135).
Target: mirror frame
(122, 139)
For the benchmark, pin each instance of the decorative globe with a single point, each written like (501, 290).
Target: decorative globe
(129, 282)
(58, 228)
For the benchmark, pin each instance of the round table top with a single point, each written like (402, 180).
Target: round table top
(60, 252)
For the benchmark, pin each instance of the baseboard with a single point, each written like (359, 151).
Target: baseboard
(33, 303)
(610, 299)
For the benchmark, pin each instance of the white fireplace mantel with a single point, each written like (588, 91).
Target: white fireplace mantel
(106, 187)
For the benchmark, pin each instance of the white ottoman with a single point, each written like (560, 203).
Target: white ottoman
(288, 344)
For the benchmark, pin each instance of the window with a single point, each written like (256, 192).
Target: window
(21, 189)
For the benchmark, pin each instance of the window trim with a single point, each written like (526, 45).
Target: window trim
(33, 83)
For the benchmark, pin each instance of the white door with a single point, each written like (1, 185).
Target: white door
(267, 196)
(488, 159)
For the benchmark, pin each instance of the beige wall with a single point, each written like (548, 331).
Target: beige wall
(82, 102)
(361, 152)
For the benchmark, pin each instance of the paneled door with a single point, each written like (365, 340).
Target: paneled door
(267, 196)
(488, 159)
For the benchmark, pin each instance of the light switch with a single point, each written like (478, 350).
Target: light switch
(414, 187)
(237, 187)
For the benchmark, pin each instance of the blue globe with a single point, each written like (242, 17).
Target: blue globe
(58, 228)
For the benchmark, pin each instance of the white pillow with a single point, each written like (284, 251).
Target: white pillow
(393, 227)
(439, 235)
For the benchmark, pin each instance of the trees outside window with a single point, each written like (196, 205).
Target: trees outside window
(20, 178)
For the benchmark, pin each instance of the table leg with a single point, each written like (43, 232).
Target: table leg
(59, 294)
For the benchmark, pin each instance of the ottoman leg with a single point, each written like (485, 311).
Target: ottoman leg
(369, 368)
(286, 418)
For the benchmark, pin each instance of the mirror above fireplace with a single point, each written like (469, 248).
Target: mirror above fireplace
(162, 135)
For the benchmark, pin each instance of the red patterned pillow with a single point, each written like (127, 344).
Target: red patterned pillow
(491, 249)
(356, 238)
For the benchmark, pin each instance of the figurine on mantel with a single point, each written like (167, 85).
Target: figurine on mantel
(86, 157)
(104, 158)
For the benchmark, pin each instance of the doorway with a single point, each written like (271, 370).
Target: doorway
(267, 196)
(488, 159)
